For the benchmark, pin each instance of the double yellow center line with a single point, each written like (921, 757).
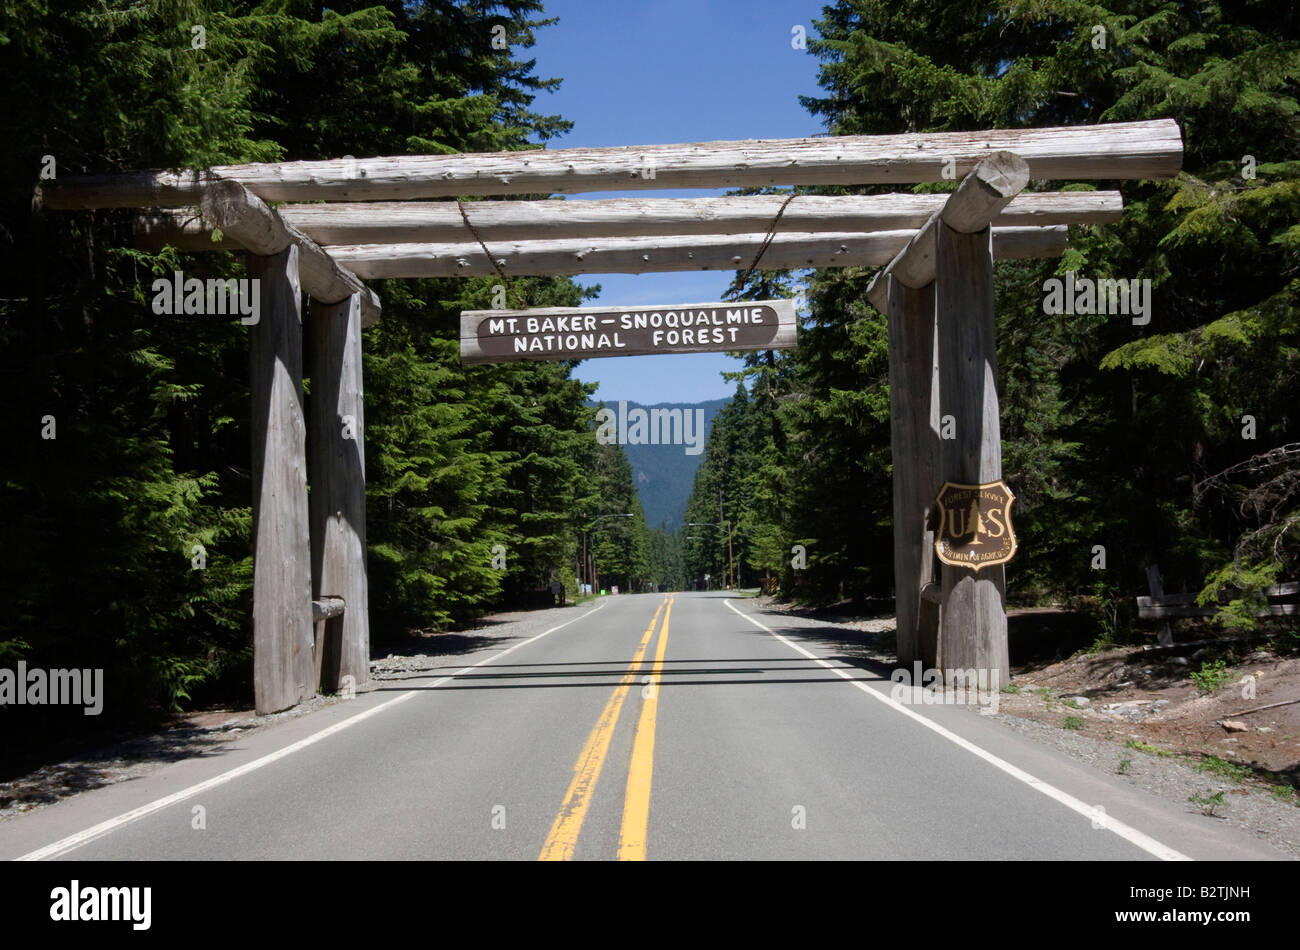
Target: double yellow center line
(563, 838)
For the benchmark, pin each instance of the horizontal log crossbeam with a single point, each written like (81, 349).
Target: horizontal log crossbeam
(1282, 600)
(1121, 150)
(663, 254)
(440, 222)
(423, 239)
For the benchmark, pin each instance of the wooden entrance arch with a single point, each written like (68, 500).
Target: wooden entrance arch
(376, 221)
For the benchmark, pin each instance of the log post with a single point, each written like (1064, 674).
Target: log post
(952, 253)
(338, 487)
(973, 619)
(282, 630)
(914, 416)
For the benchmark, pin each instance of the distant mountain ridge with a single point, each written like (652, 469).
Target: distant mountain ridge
(664, 474)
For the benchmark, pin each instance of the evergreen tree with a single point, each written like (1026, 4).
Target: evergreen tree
(150, 463)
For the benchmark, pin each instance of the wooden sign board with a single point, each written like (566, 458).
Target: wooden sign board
(579, 333)
(975, 525)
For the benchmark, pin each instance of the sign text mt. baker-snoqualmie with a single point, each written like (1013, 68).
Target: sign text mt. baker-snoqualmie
(574, 333)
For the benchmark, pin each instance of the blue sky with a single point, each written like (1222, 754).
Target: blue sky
(648, 73)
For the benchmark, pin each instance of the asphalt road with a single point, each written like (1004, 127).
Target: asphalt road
(687, 726)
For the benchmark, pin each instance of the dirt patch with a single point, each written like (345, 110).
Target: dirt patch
(1153, 697)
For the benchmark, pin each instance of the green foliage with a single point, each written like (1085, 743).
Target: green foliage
(1208, 801)
(1223, 768)
(1115, 434)
(667, 560)
(1107, 608)
(620, 547)
(1072, 723)
(1285, 794)
(1146, 747)
(1211, 676)
(152, 453)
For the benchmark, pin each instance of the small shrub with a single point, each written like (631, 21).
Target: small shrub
(1073, 723)
(1211, 676)
(1208, 802)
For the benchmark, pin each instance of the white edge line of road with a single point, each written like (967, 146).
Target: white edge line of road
(1128, 833)
(64, 845)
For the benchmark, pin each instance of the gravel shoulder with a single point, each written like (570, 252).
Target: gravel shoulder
(1135, 716)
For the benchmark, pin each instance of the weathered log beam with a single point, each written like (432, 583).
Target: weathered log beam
(659, 254)
(914, 431)
(438, 222)
(236, 211)
(981, 197)
(283, 667)
(1120, 150)
(338, 489)
(973, 618)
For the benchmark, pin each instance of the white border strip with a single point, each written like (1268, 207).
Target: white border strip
(64, 845)
(1128, 833)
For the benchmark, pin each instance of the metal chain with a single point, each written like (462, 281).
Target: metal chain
(491, 260)
(771, 233)
(762, 249)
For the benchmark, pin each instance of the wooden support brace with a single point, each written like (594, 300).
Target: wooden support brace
(283, 667)
(233, 209)
(326, 607)
(324, 614)
(338, 488)
(979, 198)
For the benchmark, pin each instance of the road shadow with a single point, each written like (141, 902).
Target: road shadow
(47, 775)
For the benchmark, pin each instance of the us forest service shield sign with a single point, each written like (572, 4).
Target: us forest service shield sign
(975, 525)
